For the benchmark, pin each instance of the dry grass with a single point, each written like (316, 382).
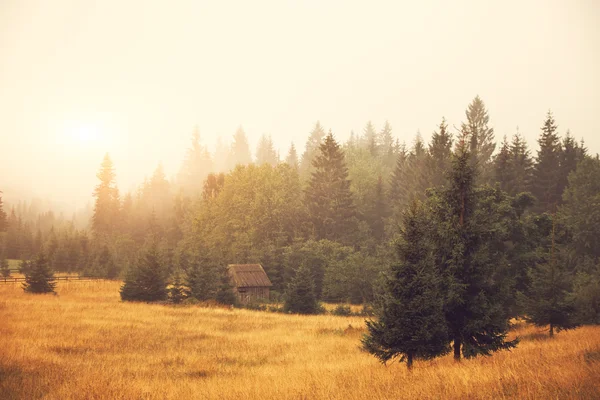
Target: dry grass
(85, 343)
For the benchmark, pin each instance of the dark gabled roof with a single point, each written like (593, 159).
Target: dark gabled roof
(249, 275)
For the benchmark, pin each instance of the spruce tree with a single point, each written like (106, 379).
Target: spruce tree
(39, 278)
(440, 155)
(300, 295)
(503, 167)
(311, 151)
(465, 237)
(328, 197)
(292, 157)
(265, 152)
(549, 301)
(240, 150)
(387, 148)
(411, 322)
(369, 139)
(176, 291)
(147, 279)
(3, 217)
(569, 157)
(4, 267)
(197, 165)
(105, 217)
(521, 166)
(481, 137)
(546, 175)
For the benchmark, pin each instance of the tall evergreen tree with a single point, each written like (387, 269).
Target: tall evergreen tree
(292, 157)
(147, 279)
(549, 301)
(300, 295)
(474, 306)
(240, 150)
(196, 166)
(440, 155)
(265, 152)
(369, 139)
(503, 167)
(3, 217)
(481, 137)
(4, 267)
(105, 218)
(311, 151)
(39, 277)
(569, 157)
(547, 167)
(328, 196)
(411, 322)
(520, 166)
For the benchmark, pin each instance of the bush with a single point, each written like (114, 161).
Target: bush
(147, 280)
(40, 278)
(300, 297)
(342, 310)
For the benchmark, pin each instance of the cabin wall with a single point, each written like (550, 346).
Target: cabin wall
(249, 294)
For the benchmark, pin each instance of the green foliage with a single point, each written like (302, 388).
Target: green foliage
(4, 268)
(411, 323)
(342, 310)
(469, 239)
(547, 173)
(300, 295)
(147, 279)
(328, 196)
(586, 296)
(177, 292)
(40, 278)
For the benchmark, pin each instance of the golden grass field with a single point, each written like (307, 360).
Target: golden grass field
(86, 344)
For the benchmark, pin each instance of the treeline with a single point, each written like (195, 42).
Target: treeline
(336, 208)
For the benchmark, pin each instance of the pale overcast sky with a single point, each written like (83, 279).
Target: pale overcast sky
(79, 78)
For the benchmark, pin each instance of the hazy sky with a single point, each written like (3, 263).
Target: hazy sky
(79, 78)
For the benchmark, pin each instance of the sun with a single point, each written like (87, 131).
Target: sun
(85, 133)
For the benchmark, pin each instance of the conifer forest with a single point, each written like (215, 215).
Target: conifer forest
(359, 261)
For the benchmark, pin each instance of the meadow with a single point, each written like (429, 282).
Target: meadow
(85, 343)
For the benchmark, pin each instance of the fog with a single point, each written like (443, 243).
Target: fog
(81, 78)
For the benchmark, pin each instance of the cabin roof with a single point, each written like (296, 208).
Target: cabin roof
(249, 275)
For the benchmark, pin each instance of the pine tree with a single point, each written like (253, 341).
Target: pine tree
(292, 157)
(3, 217)
(369, 139)
(465, 252)
(311, 151)
(481, 137)
(300, 296)
(39, 278)
(569, 157)
(265, 152)
(328, 196)
(240, 150)
(176, 291)
(212, 186)
(546, 175)
(411, 323)
(4, 267)
(397, 182)
(521, 166)
(147, 279)
(549, 300)
(105, 218)
(440, 155)
(379, 212)
(503, 167)
(197, 165)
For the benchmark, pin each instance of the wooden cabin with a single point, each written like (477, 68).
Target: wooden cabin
(250, 282)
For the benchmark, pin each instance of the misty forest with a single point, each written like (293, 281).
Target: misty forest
(443, 247)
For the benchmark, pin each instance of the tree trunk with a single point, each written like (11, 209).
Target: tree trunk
(457, 344)
(409, 361)
(551, 330)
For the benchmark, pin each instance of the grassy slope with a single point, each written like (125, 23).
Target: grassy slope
(84, 343)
